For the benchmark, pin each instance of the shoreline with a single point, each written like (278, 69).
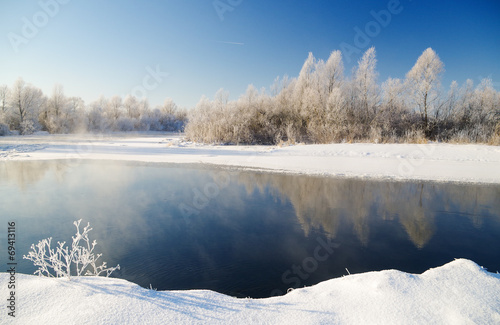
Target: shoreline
(433, 162)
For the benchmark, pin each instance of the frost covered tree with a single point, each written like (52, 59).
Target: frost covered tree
(365, 87)
(218, 121)
(26, 101)
(4, 99)
(485, 114)
(310, 96)
(96, 117)
(169, 107)
(4, 127)
(333, 73)
(305, 98)
(200, 126)
(170, 116)
(53, 116)
(114, 107)
(323, 98)
(449, 106)
(251, 118)
(394, 119)
(304, 81)
(393, 94)
(285, 120)
(471, 114)
(131, 106)
(424, 82)
(113, 112)
(4, 110)
(58, 101)
(76, 115)
(143, 106)
(458, 108)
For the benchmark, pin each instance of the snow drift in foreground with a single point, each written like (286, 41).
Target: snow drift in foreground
(434, 161)
(458, 292)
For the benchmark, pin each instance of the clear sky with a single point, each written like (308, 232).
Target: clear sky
(111, 47)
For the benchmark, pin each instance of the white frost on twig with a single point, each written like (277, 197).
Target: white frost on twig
(63, 261)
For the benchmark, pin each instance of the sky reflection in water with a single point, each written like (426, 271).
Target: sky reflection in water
(247, 233)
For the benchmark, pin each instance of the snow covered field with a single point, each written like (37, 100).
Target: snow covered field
(435, 161)
(459, 292)
(456, 293)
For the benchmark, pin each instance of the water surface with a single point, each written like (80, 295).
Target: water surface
(247, 233)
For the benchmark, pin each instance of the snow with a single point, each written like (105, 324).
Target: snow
(459, 292)
(433, 161)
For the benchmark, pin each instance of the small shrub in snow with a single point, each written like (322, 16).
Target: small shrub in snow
(65, 261)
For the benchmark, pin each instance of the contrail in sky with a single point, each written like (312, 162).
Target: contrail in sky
(233, 43)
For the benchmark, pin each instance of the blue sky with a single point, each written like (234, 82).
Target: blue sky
(109, 47)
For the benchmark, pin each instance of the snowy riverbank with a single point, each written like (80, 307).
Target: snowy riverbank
(434, 161)
(457, 293)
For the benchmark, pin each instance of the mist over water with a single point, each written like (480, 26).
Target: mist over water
(247, 233)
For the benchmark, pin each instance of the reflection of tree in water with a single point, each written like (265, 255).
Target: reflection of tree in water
(102, 194)
(26, 173)
(319, 202)
(413, 210)
(474, 202)
(329, 203)
(313, 205)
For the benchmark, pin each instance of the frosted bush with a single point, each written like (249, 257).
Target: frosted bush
(27, 127)
(64, 261)
(125, 124)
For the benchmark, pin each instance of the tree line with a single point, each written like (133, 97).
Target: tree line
(25, 108)
(321, 105)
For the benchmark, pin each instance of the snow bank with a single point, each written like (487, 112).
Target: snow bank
(434, 161)
(456, 293)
